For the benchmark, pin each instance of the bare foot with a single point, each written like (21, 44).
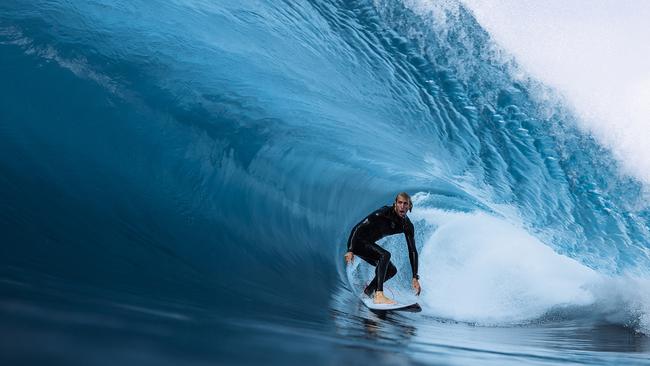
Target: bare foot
(380, 298)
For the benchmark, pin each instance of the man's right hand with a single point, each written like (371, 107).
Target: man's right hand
(416, 286)
(349, 257)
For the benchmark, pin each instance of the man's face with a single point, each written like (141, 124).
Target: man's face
(401, 206)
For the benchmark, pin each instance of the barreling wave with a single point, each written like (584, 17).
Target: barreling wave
(197, 151)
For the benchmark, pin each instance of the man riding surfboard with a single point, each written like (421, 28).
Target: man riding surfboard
(383, 222)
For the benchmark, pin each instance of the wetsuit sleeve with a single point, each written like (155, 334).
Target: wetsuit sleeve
(413, 252)
(352, 235)
(368, 219)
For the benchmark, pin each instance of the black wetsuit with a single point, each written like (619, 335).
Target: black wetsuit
(381, 223)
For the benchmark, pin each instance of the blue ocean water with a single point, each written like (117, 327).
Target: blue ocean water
(178, 180)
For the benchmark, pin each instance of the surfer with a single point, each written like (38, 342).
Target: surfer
(385, 221)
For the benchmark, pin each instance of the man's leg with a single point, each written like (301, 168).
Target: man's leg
(372, 286)
(380, 258)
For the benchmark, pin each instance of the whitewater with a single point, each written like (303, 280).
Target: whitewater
(178, 181)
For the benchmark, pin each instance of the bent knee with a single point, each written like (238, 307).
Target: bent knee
(385, 256)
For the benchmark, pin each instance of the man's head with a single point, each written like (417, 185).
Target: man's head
(402, 204)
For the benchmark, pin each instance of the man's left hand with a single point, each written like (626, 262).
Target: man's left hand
(416, 286)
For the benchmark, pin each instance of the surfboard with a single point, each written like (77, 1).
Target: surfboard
(367, 301)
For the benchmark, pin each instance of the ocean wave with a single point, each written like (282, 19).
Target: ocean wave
(233, 147)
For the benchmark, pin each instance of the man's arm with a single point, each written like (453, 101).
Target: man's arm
(350, 237)
(367, 220)
(413, 252)
(349, 255)
(413, 256)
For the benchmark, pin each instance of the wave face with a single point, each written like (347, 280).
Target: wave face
(183, 175)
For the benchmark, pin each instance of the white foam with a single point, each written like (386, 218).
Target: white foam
(488, 270)
(479, 268)
(595, 53)
(624, 300)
